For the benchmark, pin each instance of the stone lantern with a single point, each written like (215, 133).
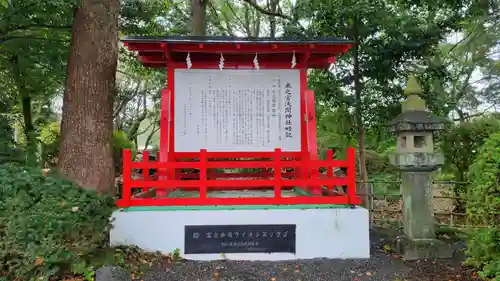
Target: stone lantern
(414, 129)
(416, 159)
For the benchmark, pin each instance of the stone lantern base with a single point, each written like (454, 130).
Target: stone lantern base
(417, 249)
(416, 189)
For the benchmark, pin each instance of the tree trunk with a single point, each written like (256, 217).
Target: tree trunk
(273, 5)
(198, 17)
(85, 154)
(363, 187)
(132, 133)
(150, 136)
(29, 130)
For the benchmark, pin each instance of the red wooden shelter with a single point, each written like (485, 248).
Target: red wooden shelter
(201, 170)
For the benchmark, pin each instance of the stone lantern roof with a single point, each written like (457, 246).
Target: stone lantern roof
(415, 116)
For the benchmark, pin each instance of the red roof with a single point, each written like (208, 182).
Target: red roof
(314, 53)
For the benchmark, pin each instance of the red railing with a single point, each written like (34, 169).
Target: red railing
(306, 175)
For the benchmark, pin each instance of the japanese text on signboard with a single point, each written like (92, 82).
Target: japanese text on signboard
(240, 238)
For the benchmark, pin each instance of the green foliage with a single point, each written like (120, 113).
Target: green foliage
(461, 144)
(4, 3)
(176, 254)
(119, 142)
(50, 138)
(8, 151)
(47, 224)
(143, 17)
(483, 208)
(460, 147)
(34, 39)
(394, 40)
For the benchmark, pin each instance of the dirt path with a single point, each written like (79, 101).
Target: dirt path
(381, 266)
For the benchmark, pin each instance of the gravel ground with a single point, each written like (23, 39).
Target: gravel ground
(381, 266)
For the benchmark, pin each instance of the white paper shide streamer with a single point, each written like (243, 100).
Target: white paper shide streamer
(294, 60)
(188, 61)
(221, 62)
(256, 62)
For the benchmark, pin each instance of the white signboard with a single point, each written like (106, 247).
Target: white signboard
(237, 110)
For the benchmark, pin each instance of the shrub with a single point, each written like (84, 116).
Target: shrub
(47, 224)
(50, 138)
(461, 145)
(119, 142)
(483, 208)
(8, 151)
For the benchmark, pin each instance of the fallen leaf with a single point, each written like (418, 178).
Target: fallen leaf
(38, 261)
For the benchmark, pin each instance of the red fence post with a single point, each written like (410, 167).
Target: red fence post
(316, 189)
(203, 173)
(211, 174)
(127, 177)
(145, 168)
(351, 175)
(329, 170)
(277, 173)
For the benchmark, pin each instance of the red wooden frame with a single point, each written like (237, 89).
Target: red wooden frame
(157, 54)
(305, 164)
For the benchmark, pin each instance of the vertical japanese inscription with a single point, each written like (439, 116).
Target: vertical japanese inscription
(207, 239)
(288, 110)
(237, 110)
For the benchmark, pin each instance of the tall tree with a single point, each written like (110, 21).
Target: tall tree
(198, 17)
(33, 51)
(85, 154)
(471, 65)
(391, 38)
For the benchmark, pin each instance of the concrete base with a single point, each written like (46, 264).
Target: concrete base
(418, 249)
(341, 232)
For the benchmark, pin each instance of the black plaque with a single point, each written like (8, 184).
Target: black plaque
(265, 238)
